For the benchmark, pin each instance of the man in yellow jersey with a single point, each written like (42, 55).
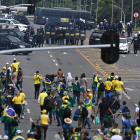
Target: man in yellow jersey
(44, 123)
(113, 84)
(23, 96)
(15, 64)
(90, 95)
(108, 85)
(41, 98)
(37, 78)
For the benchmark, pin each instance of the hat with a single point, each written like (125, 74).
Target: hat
(18, 131)
(95, 73)
(14, 58)
(88, 90)
(7, 63)
(135, 35)
(100, 79)
(107, 137)
(70, 23)
(5, 137)
(108, 78)
(68, 120)
(56, 136)
(44, 111)
(46, 18)
(116, 77)
(97, 133)
(32, 133)
(4, 68)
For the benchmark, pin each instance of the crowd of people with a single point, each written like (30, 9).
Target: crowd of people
(56, 103)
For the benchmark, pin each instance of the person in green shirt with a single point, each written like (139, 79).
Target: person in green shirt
(100, 93)
(94, 84)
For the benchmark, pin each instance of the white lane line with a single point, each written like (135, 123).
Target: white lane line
(28, 110)
(123, 55)
(130, 89)
(56, 64)
(50, 55)
(131, 51)
(26, 103)
(53, 60)
(48, 51)
(136, 55)
(135, 104)
(13, 55)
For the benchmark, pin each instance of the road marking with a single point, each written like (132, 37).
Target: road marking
(130, 89)
(56, 64)
(123, 55)
(28, 110)
(135, 104)
(64, 53)
(48, 52)
(136, 55)
(50, 55)
(53, 60)
(26, 103)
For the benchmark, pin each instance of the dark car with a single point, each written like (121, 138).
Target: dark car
(11, 42)
(95, 37)
(22, 19)
(17, 34)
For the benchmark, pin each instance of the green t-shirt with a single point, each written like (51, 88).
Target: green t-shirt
(107, 122)
(100, 92)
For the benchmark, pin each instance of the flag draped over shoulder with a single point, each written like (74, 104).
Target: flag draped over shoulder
(46, 82)
(71, 100)
(137, 129)
(8, 115)
(1, 86)
(68, 88)
(59, 85)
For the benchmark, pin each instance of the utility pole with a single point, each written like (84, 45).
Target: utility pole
(86, 5)
(122, 9)
(97, 11)
(112, 12)
(79, 4)
(132, 12)
(91, 7)
(63, 3)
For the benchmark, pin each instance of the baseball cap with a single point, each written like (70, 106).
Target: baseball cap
(100, 79)
(7, 63)
(116, 77)
(14, 58)
(18, 131)
(88, 90)
(5, 137)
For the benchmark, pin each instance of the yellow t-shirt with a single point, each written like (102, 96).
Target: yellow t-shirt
(17, 100)
(63, 98)
(108, 85)
(42, 96)
(31, 139)
(119, 85)
(113, 130)
(90, 97)
(44, 119)
(23, 97)
(37, 79)
(15, 65)
(114, 83)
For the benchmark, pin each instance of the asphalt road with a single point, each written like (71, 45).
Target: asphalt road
(76, 61)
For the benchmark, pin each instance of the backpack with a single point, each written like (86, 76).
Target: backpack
(66, 131)
(76, 115)
(67, 112)
(102, 87)
(107, 97)
(49, 103)
(84, 113)
(126, 110)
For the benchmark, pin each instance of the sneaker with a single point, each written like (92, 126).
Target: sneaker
(89, 128)
(58, 125)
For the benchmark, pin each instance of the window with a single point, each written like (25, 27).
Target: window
(12, 33)
(3, 32)
(98, 35)
(42, 11)
(53, 13)
(1, 21)
(4, 39)
(7, 21)
(47, 13)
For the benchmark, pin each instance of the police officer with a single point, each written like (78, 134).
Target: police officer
(128, 29)
(110, 26)
(82, 25)
(27, 30)
(131, 27)
(26, 37)
(70, 25)
(72, 21)
(101, 26)
(61, 38)
(120, 27)
(106, 26)
(104, 23)
(123, 34)
(47, 25)
(42, 35)
(139, 39)
(135, 44)
(115, 27)
(78, 23)
(76, 40)
(38, 39)
(32, 34)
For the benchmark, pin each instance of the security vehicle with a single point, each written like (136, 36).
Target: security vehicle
(18, 34)
(124, 45)
(11, 42)
(21, 27)
(95, 37)
(62, 16)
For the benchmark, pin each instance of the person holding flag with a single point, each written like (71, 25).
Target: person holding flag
(95, 82)
(60, 87)
(8, 116)
(47, 83)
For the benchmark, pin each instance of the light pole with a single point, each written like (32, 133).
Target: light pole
(91, 6)
(97, 11)
(132, 12)
(123, 13)
(112, 12)
(86, 6)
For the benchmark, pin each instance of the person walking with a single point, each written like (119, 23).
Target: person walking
(37, 78)
(44, 123)
(9, 98)
(69, 82)
(19, 78)
(15, 64)
(137, 115)
(17, 105)
(41, 98)
(108, 85)
(94, 84)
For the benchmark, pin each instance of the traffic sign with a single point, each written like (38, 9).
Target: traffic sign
(136, 15)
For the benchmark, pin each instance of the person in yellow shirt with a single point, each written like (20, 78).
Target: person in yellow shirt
(119, 86)
(90, 95)
(115, 127)
(17, 105)
(31, 136)
(15, 64)
(44, 123)
(113, 84)
(23, 96)
(41, 98)
(65, 96)
(37, 78)
(108, 85)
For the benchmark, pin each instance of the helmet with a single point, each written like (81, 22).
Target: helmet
(120, 21)
(41, 27)
(104, 19)
(130, 21)
(101, 22)
(138, 32)
(81, 19)
(135, 35)
(47, 18)
(123, 31)
(70, 23)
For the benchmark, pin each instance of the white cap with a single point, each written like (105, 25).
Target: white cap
(101, 22)
(120, 21)
(130, 21)
(70, 23)
(135, 35)
(105, 19)
(7, 63)
(116, 76)
(124, 31)
(5, 137)
(18, 131)
(81, 19)
(32, 133)
(47, 18)
(138, 32)
(14, 58)
(56, 136)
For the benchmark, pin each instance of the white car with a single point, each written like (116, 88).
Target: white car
(124, 45)
(14, 22)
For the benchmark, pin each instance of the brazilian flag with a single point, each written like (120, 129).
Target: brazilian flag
(46, 82)
(8, 115)
(71, 100)
(137, 129)
(1, 86)
(18, 137)
(68, 88)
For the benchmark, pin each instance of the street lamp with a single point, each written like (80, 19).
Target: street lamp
(123, 13)
(97, 11)
(132, 12)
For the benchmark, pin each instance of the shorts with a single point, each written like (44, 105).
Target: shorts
(94, 89)
(100, 95)
(119, 94)
(84, 90)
